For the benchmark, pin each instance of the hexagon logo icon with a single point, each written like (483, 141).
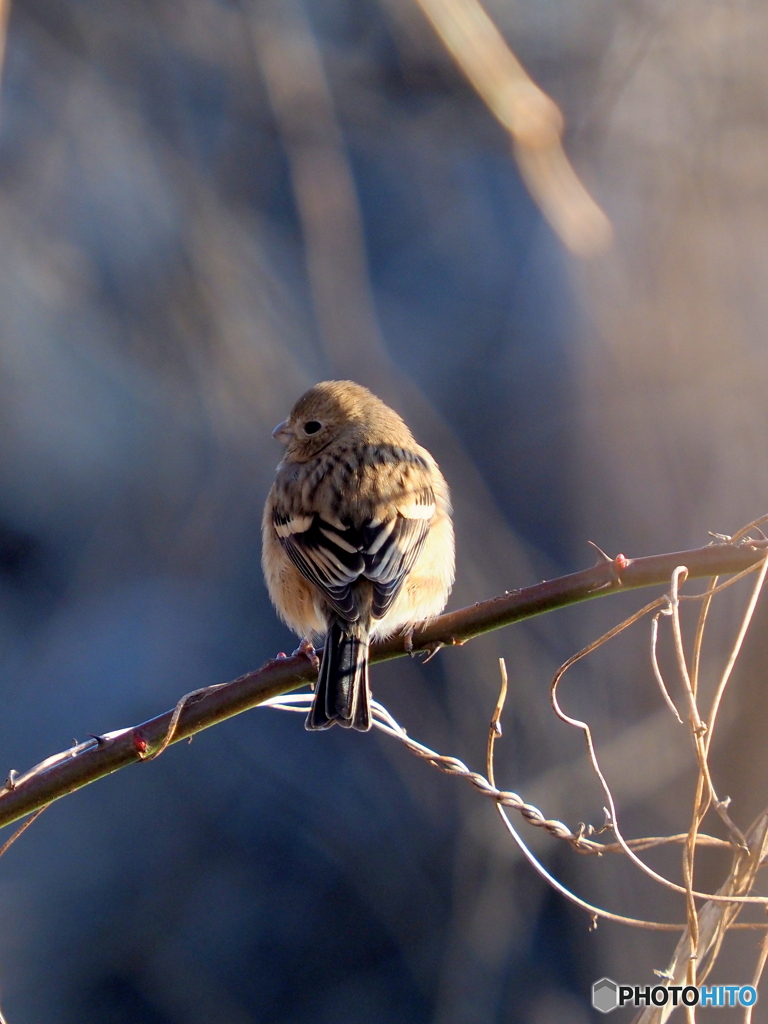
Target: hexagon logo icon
(605, 995)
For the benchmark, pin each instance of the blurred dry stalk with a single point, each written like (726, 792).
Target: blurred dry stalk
(323, 187)
(532, 119)
(707, 925)
(5, 11)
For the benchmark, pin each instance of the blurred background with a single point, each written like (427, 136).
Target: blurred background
(205, 207)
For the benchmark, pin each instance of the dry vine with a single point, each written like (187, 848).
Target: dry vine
(705, 926)
(708, 916)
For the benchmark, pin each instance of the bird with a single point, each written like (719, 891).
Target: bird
(357, 538)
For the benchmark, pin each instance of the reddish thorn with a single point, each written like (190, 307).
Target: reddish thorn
(621, 561)
(140, 745)
(282, 654)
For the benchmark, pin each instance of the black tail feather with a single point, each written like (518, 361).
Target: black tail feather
(342, 694)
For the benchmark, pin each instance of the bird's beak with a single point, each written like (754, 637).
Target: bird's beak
(282, 432)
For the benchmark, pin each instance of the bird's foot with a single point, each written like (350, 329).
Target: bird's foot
(408, 642)
(431, 650)
(306, 648)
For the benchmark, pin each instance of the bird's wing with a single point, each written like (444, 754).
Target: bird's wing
(392, 547)
(334, 556)
(326, 555)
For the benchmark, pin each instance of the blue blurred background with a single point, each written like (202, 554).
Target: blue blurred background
(207, 206)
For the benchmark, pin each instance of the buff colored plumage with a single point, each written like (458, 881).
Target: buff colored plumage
(357, 538)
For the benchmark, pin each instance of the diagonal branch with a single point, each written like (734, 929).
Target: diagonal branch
(533, 120)
(85, 762)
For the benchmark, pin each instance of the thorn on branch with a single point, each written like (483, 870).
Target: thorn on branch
(603, 557)
(616, 565)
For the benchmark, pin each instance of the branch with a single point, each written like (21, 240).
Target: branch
(533, 120)
(85, 762)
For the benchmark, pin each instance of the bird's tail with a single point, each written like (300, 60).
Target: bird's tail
(342, 694)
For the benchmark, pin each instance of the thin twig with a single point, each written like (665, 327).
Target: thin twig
(705, 793)
(650, 842)
(736, 648)
(384, 721)
(742, 533)
(453, 766)
(657, 671)
(740, 879)
(698, 640)
(22, 828)
(494, 732)
(595, 912)
(697, 729)
(759, 968)
(585, 729)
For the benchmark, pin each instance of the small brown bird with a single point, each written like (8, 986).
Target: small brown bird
(357, 538)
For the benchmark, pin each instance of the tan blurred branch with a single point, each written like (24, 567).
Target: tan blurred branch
(83, 763)
(323, 186)
(5, 13)
(533, 120)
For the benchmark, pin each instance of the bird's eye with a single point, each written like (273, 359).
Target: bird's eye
(312, 427)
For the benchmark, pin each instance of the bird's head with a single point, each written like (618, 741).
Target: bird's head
(334, 410)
